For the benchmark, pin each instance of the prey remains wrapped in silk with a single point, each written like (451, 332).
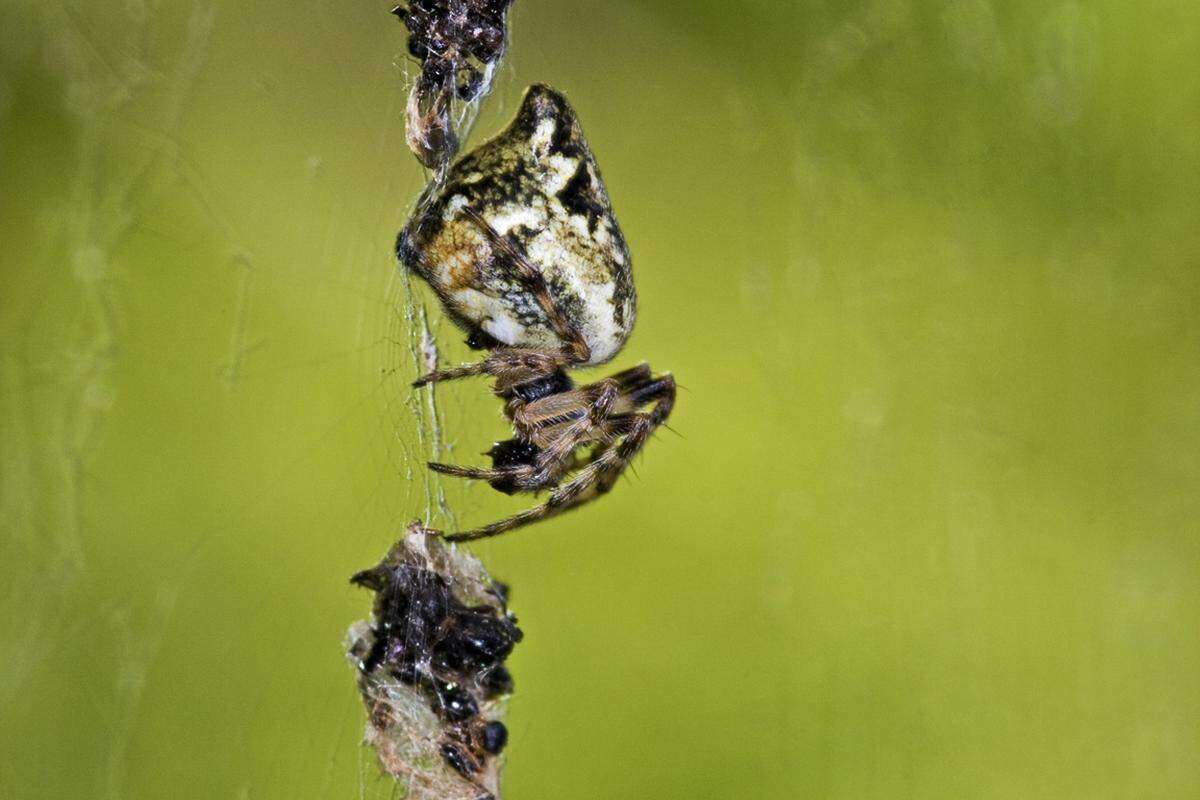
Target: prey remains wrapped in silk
(431, 671)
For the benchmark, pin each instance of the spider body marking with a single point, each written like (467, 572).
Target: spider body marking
(521, 245)
(520, 242)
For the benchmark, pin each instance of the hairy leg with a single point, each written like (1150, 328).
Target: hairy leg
(604, 470)
(554, 460)
(599, 475)
(508, 364)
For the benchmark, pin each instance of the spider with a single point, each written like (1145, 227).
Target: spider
(520, 244)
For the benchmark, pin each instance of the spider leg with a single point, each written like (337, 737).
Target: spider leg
(509, 363)
(607, 464)
(628, 379)
(637, 429)
(604, 395)
(509, 479)
(550, 463)
(660, 390)
(478, 473)
(548, 509)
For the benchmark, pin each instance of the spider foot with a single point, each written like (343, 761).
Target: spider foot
(472, 473)
(448, 374)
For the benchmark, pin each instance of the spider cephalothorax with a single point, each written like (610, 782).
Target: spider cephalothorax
(520, 243)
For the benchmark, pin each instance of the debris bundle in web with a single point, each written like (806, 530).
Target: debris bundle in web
(431, 670)
(458, 43)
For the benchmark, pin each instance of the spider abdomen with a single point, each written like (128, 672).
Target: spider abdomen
(537, 186)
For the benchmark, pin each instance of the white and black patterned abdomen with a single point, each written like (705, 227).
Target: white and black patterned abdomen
(537, 185)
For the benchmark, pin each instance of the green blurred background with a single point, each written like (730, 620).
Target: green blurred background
(927, 526)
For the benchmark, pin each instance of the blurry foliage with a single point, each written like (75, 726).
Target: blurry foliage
(927, 270)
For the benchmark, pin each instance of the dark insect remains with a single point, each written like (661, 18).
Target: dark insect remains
(458, 44)
(441, 632)
(520, 243)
